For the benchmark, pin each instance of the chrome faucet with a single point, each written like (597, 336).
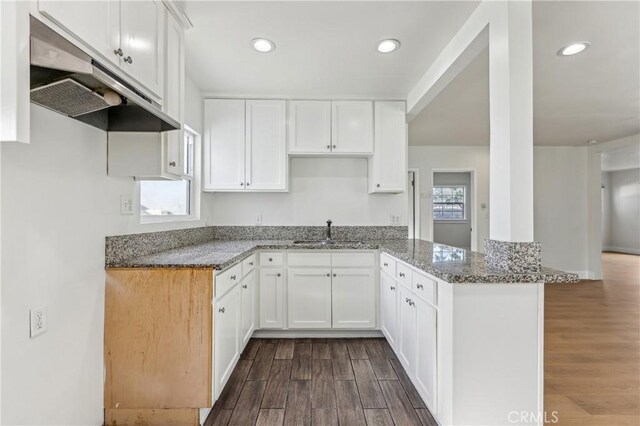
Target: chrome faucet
(329, 229)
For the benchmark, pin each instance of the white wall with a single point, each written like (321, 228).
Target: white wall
(606, 204)
(319, 189)
(57, 207)
(429, 158)
(624, 219)
(560, 207)
(454, 233)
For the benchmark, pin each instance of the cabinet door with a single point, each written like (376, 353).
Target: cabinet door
(389, 163)
(407, 329)
(266, 145)
(309, 127)
(173, 102)
(95, 23)
(142, 36)
(247, 314)
(309, 298)
(271, 298)
(226, 337)
(426, 355)
(354, 299)
(352, 127)
(388, 307)
(224, 144)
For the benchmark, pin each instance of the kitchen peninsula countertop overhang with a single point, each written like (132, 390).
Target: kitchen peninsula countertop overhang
(450, 264)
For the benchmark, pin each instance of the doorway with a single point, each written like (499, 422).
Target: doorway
(452, 208)
(413, 192)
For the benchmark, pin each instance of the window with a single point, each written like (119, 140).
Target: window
(449, 203)
(171, 200)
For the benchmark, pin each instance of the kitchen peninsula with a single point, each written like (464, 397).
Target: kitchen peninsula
(468, 335)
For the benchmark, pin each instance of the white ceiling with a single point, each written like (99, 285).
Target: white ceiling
(324, 49)
(621, 159)
(594, 95)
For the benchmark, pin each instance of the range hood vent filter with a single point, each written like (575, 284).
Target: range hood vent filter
(68, 97)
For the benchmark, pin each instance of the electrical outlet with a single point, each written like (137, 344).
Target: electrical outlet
(259, 220)
(126, 205)
(38, 321)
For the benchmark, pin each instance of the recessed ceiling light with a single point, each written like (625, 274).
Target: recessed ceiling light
(592, 142)
(263, 45)
(574, 48)
(388, 46)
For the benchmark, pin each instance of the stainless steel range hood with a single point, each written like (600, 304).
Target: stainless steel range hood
(67, 80)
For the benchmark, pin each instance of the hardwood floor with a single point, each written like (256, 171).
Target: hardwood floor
(592, 347)
(319, 382)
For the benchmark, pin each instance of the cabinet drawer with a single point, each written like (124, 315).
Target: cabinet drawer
(309, 259)
(353, 260)
(425, 287)
(274, 258)
(403, 274)
(388, 264)
(227, 279)
(248, 264)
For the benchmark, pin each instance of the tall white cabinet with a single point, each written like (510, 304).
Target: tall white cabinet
(388, 166)
(245, 145)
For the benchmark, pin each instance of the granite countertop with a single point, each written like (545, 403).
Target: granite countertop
(448, 263)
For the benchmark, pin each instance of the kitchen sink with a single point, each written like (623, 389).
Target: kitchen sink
(326, 242)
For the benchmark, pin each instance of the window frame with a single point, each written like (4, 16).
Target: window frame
(464, 204)
(195, 186)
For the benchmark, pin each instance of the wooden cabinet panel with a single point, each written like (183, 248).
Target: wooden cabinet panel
(224, 144)
(353, 298)
(388, 166)
(309, 298)
(152, 417)
(266, 145)
(309, 127)
(389, 308)
(158, 330)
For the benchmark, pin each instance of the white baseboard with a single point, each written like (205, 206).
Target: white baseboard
(282, 334)
(618, 249)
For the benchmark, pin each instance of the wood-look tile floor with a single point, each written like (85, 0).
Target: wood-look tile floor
(319, 382)
(592, 347)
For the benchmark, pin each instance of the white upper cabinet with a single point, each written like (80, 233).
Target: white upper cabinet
(129, 34)
(388, 166)
(309, 127)
(96, 23)
(14, 71)
(224, 144)
(245, 145)
(141, 39)
(352, 127)
(266, 146)
(173, 103)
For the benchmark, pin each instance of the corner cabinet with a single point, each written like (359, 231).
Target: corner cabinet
(388, 166)
(245, 145)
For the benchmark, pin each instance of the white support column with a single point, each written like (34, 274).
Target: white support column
(511, 120)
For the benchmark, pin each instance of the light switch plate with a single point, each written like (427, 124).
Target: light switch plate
(126, 205)
(38, 321)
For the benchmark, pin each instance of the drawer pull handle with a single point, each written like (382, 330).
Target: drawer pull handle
(244, 286)
(328, 275)
(420, 286)
(335, 275)
(406, 300)
(392, 288)
(401, 274)
(221, 310)
(278, 274)
(385, 264)
(271, 259)
(233, 277)
(411, 302)
(250, 263)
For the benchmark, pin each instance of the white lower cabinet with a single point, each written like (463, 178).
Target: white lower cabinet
(226, 336)
(389, 308)
(309, 298)
(426, 352)
(248, 312)
(406, 348)
(354, 299)
(271, 298)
